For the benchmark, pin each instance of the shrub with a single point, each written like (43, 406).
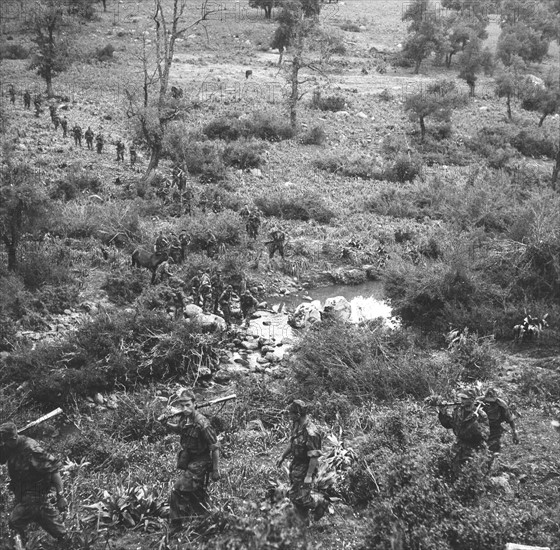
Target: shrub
(350, 27)
(531, 143)
(386, 95)
(13, 51)
(42, 265)
(355, 167)
(305, 206)
(329, 103)
(228, 129)
(244, 154)
(365, 362)
(123, 286)
(405, 168)
(268, 128)
(105, 53)
(313, 136)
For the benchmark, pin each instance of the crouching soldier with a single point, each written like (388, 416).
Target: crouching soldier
(33, 473)
(469, 424)
(198, 458)
(305, 448)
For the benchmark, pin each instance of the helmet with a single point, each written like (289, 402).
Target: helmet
(298, 407)
(467, 394)
(491, 395)
(184, 394)
(8, 430)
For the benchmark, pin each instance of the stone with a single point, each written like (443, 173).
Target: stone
(250, 346)
(98, 399)
(339, 307)
(361, 115)
(222, 377)
(305, 315)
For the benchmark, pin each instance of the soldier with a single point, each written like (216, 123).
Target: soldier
(225, 303)
(498, 412)
(245, 212)
(133, 156)
(248, 305)
(163, 271)
(203, 203)
(37, 102)
(277, 242)
(305, 448)
(12, 92)
(184, 241)
(195, 286)
(77, 132)
(99, 142)
(162, 244)
(187, 198)
(205, 292)
(33, 473)
(175, 248)
(56, 122)
(217, 205)
(52, 112)
(64, 125)
(211, 245)
(469, 424)
(120, 150)
(217, 288)
(198, 458)
(89, 138)
(252, 225)
(27, 99)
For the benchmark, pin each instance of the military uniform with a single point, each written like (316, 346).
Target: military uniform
(198, 440)
(89, 138)
(305, 444)
(252, 225)
(217, 289)
(64, 124)
(12, 93)
(225, 303)
(498, 412)
(133, 156)
(120, 150)
(211, 245)
(162, 273)
(31, 469)
(470, 426)
(248, 304)
(99, 142)
(27, 99)
(277, 243)
(77, 131)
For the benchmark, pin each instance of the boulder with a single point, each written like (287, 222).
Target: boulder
(192, 311)
(305, 315)
(339, 307)
(210, 322)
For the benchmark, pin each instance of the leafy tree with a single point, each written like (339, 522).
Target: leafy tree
(437, 103)
(522, 41)
(52, 53)
(265, 5)
(545, 101)
(508, 82)
(22, 205)
(425, 33)
(472, 61)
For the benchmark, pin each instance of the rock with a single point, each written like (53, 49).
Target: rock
(110, 404)
(502, 482)
(204, 372)
(349, 276)
(272, 358)
(305, 315)
(341, 113)
(222, 377)
(361, 115)
(339, 307)
(267, 349)
(250, 346)
(255, 172)
(98, 399)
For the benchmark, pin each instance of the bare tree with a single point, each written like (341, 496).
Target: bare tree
(153, 114)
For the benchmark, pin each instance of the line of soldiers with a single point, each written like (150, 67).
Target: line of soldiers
(34, 472)
(477, 422)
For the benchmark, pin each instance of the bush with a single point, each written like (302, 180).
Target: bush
(40, 265)
(105, 53)
(329, 103)
(125, 285)
(532, 143)
(205, 160)
(244, 154)
(405, 168)
(365, 362)
(354, 167)
(313, 136)
(13, 51)
(350, 27)
(386, 95)
(228, 129)
(269, 128)
(306, 206)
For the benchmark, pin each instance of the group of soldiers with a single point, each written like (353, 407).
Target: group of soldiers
(76, 130)
(34, 472)
(477, 422)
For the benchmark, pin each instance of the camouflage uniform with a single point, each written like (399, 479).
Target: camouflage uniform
(31, 469)
(252, 225)
(277, 243)
(225, 303)
(120, 150)
(205, 292)
(498, 412)
(198, 440)
(162, 273)
(64, 124)
(217, 289)
(470, 429)
(89, 138)
(305, 443)
(248, 304)
(27, 99)
(77, 131)
(99, 143)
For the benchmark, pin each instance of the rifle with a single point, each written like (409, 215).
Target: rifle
(42, 419)
(437, 401)
(176, 412)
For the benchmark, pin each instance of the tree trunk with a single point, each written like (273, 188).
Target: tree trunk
(12, 257)
(556, 170)
(267, 12)
(294, 93)
(471, 88)
(48, 80)
(422, 128)
(417, 66)
(154, 159)
(542, 119)
(508, 103)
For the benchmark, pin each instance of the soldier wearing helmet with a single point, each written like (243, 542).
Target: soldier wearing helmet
(305, 449)
(469, 424)
(498, 412)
